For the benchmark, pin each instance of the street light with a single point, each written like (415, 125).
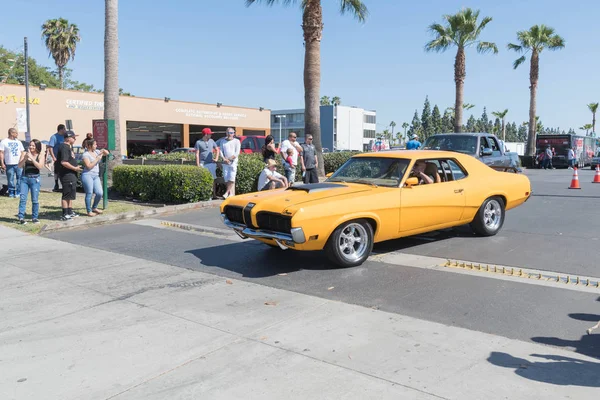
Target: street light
(280, 116)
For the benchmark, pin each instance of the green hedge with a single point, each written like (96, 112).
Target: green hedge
(333, 161)
(165, 183)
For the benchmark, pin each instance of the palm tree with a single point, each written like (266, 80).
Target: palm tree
(325, 101)
(536, 39)
(111, 71)
(502, 116)
(392, 125)
(61, 38)
(462, 30)
(466, 106)
(405, 125)
(336, 101)
(593, 108)
(586, 128)
(312, 27)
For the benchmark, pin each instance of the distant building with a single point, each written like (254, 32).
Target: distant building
(342, 127)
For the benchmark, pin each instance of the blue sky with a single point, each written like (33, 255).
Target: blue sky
(220, 51)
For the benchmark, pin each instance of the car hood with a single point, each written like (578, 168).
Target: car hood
(280, 200)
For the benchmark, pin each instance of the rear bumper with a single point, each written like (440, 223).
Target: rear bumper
(283, 240)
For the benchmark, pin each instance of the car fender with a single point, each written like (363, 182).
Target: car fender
(354, 216)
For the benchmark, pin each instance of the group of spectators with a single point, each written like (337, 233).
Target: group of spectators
(209, 153)
(23, 171)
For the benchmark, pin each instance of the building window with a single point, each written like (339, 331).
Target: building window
(369, 134)
(370, 119)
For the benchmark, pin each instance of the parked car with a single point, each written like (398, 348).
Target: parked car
(184, 150)
(484, 146)
(372, 198)
(596, 159)
(249, 144)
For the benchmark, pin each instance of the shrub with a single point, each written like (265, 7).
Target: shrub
(335, 160)
(248, 170)
(170, 157)
(165, 183)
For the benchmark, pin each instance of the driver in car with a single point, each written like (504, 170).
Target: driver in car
(418, 171)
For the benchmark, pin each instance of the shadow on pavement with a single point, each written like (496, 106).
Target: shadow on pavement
(256, 260)
(585, 317)
(556, 370)
(588, 345)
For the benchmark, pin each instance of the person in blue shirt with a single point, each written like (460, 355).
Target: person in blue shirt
(413, 144)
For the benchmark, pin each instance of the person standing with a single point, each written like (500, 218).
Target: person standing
(413, 143)
(571, 158)
(548, 158)
(10, 154)
(206, 157)
(32, 163)
(268, 149)
(90, 177)
(309, 161)
(68, 175)
(230, 151)
(290, 169)
(55, 141)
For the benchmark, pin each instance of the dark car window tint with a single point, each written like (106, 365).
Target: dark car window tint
(248, 143)
(457, 172)
(494, 146)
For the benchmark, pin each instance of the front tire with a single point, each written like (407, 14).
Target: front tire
(350, 244)
(490, 217)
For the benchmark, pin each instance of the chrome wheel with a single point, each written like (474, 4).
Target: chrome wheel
(492, 215)
(353, 242)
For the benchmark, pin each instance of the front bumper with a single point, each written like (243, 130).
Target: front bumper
(283, 240)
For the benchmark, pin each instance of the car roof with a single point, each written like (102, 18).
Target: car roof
(412, 154)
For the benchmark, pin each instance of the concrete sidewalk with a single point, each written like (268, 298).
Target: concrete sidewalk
(108, 326)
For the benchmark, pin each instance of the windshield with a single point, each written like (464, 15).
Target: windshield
(378, 171)
(452, 142)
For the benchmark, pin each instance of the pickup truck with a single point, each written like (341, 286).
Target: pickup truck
(484, 146)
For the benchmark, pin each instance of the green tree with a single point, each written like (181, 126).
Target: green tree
(461, 30)
(483, 124)
(336, 101)
(471, 124)
(436, 120)
(502, 116)
(586, 128)
(426, 119)
(405, 125)
(593, 107)
(12, 70)
(60, 38)
(111, 72)
(392, 125)
(312, 28)
(415, 126)
(535, 40)
(521, 133)
(325, 101)
(447, 122)
(497, 129)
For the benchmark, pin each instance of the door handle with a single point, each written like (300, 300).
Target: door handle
(458, 190)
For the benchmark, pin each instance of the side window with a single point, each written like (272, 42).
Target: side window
(483, 143)
(457, 172)
(248, 143)
(494, 146)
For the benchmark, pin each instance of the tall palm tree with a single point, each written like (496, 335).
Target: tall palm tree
(336, 101)
(111, 71)
(586, 128)
(593, 108)
(405, 125)
(392, 125)
(466, 106)
(61, 38)
(461, 30)
(312, 27)
(325, 101)
(502, 116)
(535, 40)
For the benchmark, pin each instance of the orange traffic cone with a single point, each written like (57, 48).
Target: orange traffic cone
(575, 180)
(597, 176)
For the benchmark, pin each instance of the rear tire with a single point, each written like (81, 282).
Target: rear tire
(489, 219)
(350, 244)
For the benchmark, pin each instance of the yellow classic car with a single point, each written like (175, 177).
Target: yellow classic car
(375, 197)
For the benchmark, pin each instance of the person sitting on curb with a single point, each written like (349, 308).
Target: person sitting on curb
(270, 179)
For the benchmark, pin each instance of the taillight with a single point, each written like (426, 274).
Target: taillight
(153, 152)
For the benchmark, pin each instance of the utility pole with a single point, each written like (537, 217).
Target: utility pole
(280, 117)
(28, 133)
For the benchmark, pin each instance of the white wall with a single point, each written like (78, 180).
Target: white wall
(350, 126)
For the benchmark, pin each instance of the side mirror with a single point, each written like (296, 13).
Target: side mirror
(486, 152)
(328, 175)
(412, 182)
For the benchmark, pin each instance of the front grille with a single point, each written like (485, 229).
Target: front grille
(274, 222)
(234, 214)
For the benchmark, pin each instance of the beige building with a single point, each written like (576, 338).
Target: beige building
(145, 123)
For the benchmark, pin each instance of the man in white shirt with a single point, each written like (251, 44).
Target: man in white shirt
(291, 143)
(270, 179)
(10, 155)
(230, 150)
